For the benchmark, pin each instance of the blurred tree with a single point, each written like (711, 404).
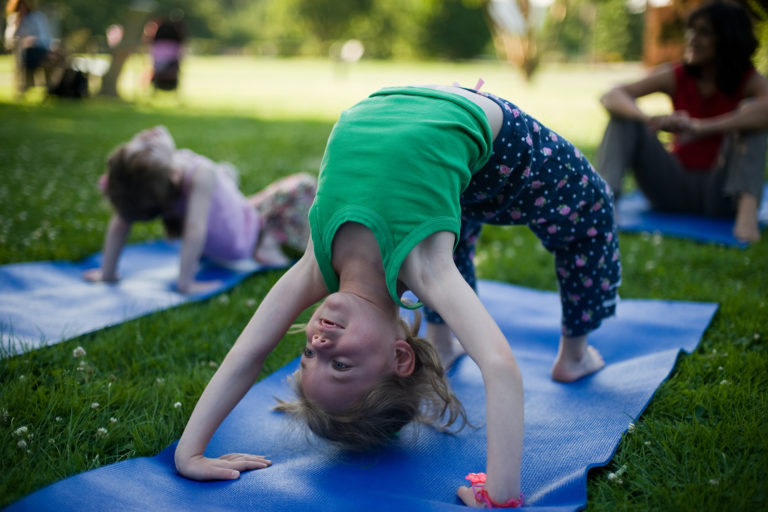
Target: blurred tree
(611, 36)
(455, 29)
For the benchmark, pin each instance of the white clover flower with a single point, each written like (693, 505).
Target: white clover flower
(22, 378)
(250, 303)
(21, 430)
(723, 382)
(94, 405)
(22, 444)
(647, 443)
(159, 381)
(213, 364)
(113, 420)
(714, 481)
(59, 418)
(78, 352)
(631, 427)
(101, 432)
(177, 405)
(224, 299)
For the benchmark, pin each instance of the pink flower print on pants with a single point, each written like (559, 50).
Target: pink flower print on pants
(592, 232)
(546, 151)
(564, 209)
(586, 316)
(552, 229)
(581, 260)
(504, 170)
(587, 282)
(515, 214)
(540, 201)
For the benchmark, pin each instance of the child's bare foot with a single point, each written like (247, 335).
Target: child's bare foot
(571, 370)
(268, 252)
(447, 346)
(746, 228)
(575, 359)
(450, 352)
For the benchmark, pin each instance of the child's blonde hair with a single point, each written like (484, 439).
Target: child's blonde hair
(140, 186)
(375, 419)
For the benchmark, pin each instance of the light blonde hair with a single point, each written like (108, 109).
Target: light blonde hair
(140, 187)
(378, 416)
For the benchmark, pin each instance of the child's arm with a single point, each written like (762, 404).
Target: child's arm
(430, 272)
(300, 287)
(196, 229)
(114, 241)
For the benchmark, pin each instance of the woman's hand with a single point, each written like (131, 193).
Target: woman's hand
(226, 467)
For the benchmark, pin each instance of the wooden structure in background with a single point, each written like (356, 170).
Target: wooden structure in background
(664, 33)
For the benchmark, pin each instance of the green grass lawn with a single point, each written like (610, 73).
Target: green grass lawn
(702, 444)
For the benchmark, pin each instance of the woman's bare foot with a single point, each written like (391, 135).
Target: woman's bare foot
(575, 359)
(746, 228)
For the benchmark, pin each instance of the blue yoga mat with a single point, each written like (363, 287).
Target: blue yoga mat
(569, 428)
(43, 303)
(636, 216)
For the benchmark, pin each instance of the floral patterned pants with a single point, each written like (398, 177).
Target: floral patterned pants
(284, 209)
(536, 178)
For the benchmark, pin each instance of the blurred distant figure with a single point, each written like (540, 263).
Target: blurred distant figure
(166, 39)
(27, 33)
(716, 164)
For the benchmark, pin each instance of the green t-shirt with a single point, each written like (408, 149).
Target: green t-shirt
(397, 163)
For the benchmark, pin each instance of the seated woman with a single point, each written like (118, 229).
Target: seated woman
(716, 164)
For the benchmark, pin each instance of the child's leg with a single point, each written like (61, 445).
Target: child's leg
(284, 208)
(548, 185)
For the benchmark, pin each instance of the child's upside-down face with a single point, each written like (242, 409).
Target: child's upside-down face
(351, 346)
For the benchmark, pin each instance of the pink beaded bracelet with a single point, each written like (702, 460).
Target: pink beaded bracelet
(481, 495)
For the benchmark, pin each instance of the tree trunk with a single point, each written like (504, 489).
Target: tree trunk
(135, 18)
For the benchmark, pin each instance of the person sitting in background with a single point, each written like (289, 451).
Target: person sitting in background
(716, 163)
(28, 34)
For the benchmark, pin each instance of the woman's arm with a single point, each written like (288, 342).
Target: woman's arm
(114, 241)
(300, 287)
(620, 101)
(430, 272)
(195, 227)
(752, 114)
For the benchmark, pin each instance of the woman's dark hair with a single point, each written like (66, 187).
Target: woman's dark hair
(735, 42)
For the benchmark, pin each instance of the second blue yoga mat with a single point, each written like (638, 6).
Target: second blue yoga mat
(46, 302)
(569, 428)
(636, 215)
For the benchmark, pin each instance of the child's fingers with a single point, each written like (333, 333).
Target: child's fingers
(468, 497)
(226, 467)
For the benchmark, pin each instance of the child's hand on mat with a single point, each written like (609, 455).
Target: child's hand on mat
(226, 467)
(95, 275)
